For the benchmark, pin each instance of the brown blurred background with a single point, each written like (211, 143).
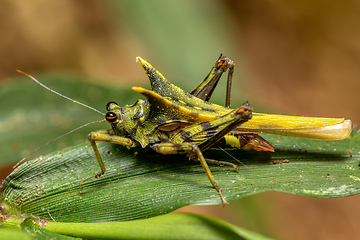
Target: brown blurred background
(298, 58)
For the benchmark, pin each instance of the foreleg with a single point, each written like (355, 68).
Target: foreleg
(105, 136)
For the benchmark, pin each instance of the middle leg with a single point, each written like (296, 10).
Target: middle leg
(194, 152)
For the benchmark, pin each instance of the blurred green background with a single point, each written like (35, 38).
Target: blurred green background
(299, 58)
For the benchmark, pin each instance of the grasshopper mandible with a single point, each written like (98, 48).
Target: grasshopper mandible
(172, 121)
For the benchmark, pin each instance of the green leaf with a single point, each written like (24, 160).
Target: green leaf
(30, 228)
(139, 183)
(170, 226)
(10, 229)
(14, 234)
(35, 228)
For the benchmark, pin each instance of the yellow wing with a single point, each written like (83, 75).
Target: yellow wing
(306, 127)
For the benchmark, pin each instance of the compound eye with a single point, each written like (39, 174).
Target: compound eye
(108, 105)
(110, 117)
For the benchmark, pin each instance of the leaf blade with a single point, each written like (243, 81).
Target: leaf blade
(139, 183)
(170, 226)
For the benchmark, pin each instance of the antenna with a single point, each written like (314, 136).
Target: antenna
(231, 156)
(53, 91)
(61, 95)
(71, 131)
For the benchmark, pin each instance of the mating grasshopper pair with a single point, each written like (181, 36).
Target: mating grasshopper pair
(172, 121)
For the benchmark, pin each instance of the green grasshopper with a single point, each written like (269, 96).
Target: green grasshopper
(172, 121)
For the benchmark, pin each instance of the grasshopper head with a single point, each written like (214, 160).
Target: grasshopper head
(127, 118)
